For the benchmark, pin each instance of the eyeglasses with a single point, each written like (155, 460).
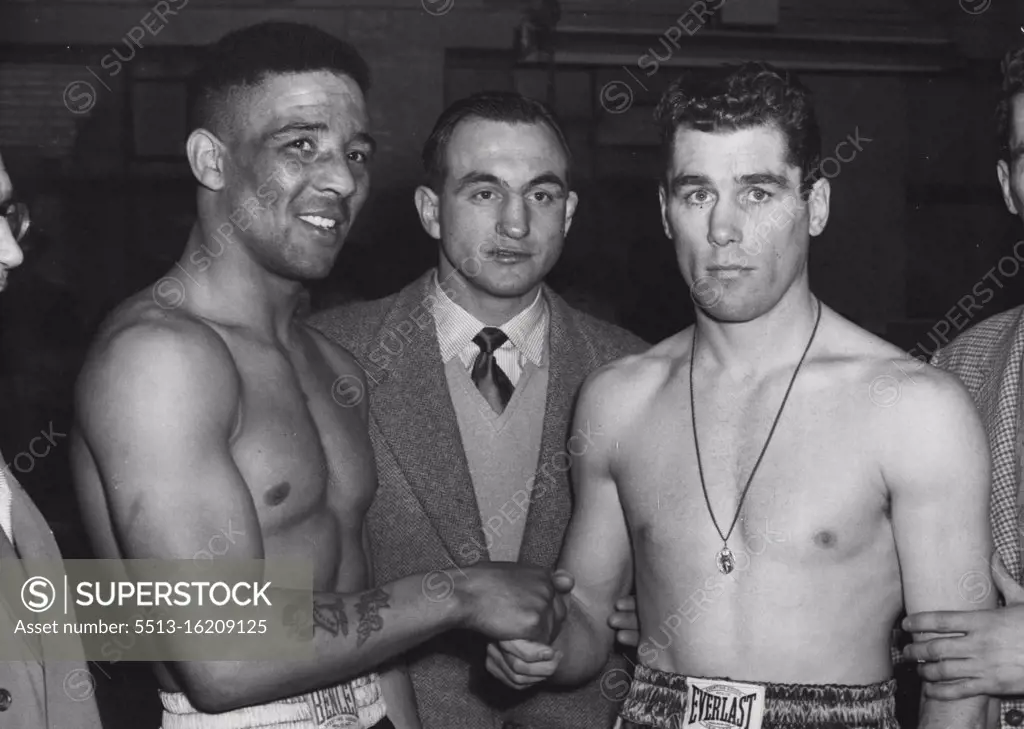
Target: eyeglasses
(16, 215)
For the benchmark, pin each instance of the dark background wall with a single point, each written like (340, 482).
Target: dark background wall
(916, 215)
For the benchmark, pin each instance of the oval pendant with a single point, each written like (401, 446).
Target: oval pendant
(725, 561)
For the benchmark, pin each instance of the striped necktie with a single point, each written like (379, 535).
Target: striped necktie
(488, 377)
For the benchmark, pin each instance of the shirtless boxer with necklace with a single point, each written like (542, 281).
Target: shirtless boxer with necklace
(881, 507)
(725, 560)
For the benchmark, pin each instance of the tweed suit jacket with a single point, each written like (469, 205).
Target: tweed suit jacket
(425, 516)
(45, 693)
(988, 359)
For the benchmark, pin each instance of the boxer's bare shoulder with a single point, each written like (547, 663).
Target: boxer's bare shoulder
(277, 430)
(139, 322)
(890, 389)
(619, 394)
(915, 415)
(140, 336)
(350, 387)
(143, 359)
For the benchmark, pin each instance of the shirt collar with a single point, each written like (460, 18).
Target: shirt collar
(456, 327)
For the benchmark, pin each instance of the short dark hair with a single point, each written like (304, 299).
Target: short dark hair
(740, 97)
(245, 57)
(1013, 84)
(499, 106)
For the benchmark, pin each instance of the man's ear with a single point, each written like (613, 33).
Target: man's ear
(818, 206)
(570, 209)
(207, 155)
(1003, 173)
(428, 205)
(663, 202)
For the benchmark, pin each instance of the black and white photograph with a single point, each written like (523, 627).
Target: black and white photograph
(511, 364)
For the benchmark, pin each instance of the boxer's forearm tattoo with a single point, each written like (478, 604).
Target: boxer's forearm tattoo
(329, 614)
(369, 617)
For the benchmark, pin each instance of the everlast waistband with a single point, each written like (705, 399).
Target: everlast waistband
(663, 700)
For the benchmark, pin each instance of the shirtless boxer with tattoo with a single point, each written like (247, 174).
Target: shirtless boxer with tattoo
(205, 402)
(762, 414)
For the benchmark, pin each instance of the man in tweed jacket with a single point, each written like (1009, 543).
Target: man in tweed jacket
(988, 358)
(453, 493)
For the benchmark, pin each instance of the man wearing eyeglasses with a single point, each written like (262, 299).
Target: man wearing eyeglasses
(39, 686)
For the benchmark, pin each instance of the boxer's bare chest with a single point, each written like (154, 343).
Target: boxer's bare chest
(303, 448)
(815, 496)
(812, 542)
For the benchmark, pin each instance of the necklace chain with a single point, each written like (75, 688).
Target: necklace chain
(750, 480)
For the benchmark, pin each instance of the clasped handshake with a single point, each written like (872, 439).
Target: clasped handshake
(521, 609)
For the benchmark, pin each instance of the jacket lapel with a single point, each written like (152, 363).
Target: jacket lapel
(414, 413)
(7, 550)
(551, 501)
(31, 532)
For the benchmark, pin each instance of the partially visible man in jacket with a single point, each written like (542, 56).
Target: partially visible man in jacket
(39, 692)
(982, 652)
